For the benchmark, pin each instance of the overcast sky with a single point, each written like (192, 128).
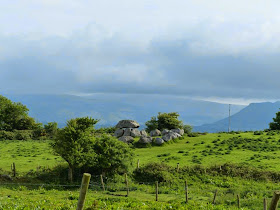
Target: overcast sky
(226, 51)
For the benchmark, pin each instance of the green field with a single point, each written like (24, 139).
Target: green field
(258, 152)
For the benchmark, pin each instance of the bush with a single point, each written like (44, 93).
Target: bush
(23, 134)
(7, 135)
(112, 155)
(154, 172)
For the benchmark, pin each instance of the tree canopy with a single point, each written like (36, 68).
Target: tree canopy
(74, 143)
(164, 121)
(14, 116)
(275, 125)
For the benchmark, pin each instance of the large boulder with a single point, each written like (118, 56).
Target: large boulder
(127, 124)
(155, 132)
(126, 139)
(119, 132)
(145, 140)
(164, 131)
(135, 132)
(143, 133)
(178, 130)
(171, 135)
(127, 132)
(159, 141)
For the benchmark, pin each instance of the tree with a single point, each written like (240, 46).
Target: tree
(275, 125)
(74, 143)
(187, 129)
(112, 155)
(14, 116)
(164, 121)
(51, 129)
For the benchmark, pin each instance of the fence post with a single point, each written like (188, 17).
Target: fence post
(177, 167)
(83, 191)
(238, 201)
(102, 183)
(264, 204)
(138, 164)
(126, 182)
(186, 190)
(274, 201)
(156, 190)
(14, 169)
(215, 195)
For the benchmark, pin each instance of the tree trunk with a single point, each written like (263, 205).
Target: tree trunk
(70, 174)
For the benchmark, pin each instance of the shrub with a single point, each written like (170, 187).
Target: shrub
(23, 134)
(7, 135)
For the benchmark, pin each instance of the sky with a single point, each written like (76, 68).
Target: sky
(222, 51)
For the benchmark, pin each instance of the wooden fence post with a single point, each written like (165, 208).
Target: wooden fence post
(186, 190)
(274, 201)
(156, 190)
(177, 167)
(83, 191)
(126, 182)
(238, 201)
(215, 195)
(14, 169)
(102, 183)
(138, 164)
(264, 204)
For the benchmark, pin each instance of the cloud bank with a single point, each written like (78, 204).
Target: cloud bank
(188, 48)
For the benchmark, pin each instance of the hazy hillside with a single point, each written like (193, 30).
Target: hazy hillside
(111, 108)
(256, 116)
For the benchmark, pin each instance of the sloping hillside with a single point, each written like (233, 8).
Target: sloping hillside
(111, 108)
(256, 116)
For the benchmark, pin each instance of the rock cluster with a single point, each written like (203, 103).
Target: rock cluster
(127, 130)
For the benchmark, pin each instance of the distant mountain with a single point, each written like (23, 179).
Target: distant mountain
(256, 116)
(111, 108)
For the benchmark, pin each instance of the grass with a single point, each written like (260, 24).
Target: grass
(27, 155)
(259, 150)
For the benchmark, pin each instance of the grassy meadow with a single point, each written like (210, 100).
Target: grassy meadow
(196, 155)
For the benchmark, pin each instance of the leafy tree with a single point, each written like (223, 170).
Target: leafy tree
(164, 121)
(74, 143)
(187, 129)
(14, 116)
(275, 125)
(51, 129)
(112, 155)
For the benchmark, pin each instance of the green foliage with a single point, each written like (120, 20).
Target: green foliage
(164, 121)
(275, 125)
(107, 130)
(23, 134)
(14, 116)
(51, 129)
(7, 135)
(187, 129)
(112, 155)
(74, 143)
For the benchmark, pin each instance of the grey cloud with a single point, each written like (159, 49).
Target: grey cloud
(113, 64)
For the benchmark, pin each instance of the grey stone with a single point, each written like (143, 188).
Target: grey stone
(126, 139)
(171, 135)
(118, 133)
(178, 130)
(127, 124)
(159, 141)
(165, 131)
(155, 132)
(145, 140)
(143, 133)
(127, 132)
(135, 132)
